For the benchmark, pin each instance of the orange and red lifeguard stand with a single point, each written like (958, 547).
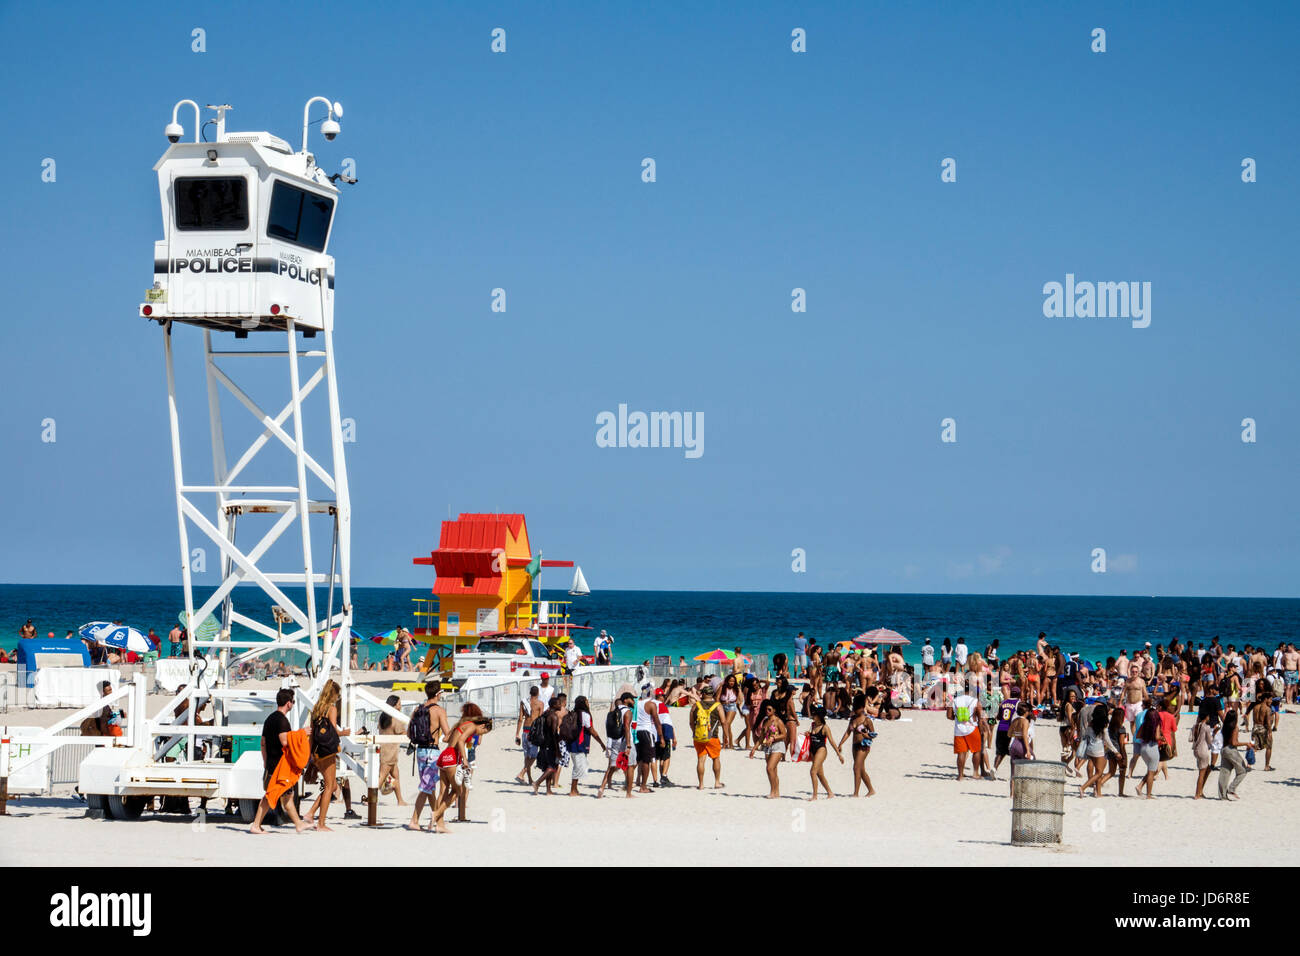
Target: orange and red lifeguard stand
(485, 572)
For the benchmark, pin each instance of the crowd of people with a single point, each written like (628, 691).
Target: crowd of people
(1117, 722)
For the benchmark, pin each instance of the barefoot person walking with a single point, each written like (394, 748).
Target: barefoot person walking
(819, 743)
(705, 721)
(863, 731)
(275, 745)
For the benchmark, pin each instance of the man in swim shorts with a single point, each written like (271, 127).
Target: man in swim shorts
(967, 717)
(1291, 671)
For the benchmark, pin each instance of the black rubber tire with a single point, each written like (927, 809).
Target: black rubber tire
(125, 808)
(248, 810)
(97, 801)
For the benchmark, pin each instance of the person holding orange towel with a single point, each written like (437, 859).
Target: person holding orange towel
(295, 751)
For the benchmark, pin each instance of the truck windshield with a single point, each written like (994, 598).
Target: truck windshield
(501, 647)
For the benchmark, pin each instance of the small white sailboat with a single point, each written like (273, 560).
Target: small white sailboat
(579, 585)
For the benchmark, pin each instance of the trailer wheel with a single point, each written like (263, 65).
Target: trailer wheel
(247, 809)
(97, 801)
(125, 808)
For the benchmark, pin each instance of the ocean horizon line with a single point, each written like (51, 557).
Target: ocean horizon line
(937, 594)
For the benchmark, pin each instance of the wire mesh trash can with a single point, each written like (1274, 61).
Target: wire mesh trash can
(1037, 802)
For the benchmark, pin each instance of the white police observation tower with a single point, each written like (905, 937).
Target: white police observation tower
(246, 226)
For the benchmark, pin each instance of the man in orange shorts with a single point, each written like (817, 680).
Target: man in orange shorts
(705, 719)
(967, 717)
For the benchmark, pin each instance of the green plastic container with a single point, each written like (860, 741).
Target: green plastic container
(241, 745)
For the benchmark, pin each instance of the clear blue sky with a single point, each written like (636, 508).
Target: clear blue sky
(775, 171)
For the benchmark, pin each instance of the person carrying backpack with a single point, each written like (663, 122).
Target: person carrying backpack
(427, 726)
(544, 734)
(529, 711)
(705, 719)
(577, 730)
(621, 750)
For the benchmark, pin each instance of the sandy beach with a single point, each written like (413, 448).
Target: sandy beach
(920, 816)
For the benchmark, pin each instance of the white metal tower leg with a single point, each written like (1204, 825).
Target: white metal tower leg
(219, 469)
(342, 501)
(178, 475)
(303, 513)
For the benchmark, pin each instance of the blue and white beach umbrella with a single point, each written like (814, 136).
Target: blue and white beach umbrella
(123, 638)
(89, 632)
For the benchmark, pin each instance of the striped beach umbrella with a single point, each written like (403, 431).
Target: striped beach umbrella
(206, 631)
(881, 635)
(390, 637)
(721, 656)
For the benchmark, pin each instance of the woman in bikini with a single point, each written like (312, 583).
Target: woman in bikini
(1052, 665)
(863, 731)
(755, 694)
(819, 742)
(769, 733)
(1069, 732)
(325, 734)
(1032, 692)
(1117, 758)
(729, 698)
(454, 757)
(1021, 747)
(1096, 744)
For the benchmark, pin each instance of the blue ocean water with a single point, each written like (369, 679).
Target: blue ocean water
(646, 623)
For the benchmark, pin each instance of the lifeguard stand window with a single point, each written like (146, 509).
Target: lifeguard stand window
(211, 203)
(299, 216)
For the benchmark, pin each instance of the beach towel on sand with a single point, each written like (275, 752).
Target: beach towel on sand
(291, 765)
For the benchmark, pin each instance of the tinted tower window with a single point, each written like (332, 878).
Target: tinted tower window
(299, 216)
(218, 203)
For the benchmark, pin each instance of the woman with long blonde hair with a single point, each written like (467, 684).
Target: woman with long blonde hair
(325, 734)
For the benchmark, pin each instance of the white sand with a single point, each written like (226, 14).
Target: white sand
(920, 816)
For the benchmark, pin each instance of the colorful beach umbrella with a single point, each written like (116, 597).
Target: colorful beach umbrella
(390, 637)
(207, 629)
(881, 635)
(721, 656)
(356, 635)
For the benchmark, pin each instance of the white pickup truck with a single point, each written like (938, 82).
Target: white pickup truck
(506, 656)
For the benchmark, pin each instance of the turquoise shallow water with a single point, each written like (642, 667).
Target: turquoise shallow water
(646, 623)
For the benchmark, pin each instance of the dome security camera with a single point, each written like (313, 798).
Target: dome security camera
(174, 132)
(329, 129)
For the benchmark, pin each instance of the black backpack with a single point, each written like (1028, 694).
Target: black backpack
(571, 727)
(537, 731)
(420, 731)
(614, 724)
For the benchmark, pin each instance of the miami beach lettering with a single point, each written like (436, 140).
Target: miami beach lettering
(212, 260)
(1103, 300)
(291, 267)
(655, 430)
(73, 909)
